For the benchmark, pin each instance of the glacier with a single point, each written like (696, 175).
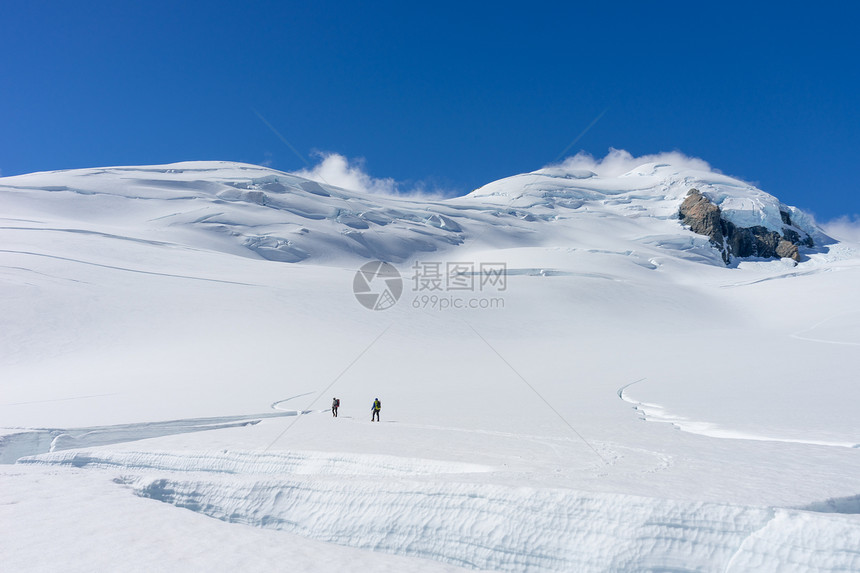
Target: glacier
(171, 335)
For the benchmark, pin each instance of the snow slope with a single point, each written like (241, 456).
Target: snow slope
(626, 403)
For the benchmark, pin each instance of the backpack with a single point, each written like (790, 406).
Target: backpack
(337, 403)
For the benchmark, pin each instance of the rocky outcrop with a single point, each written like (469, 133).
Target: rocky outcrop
(702, 216)
(705, 218)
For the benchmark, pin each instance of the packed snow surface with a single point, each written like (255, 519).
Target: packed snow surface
(171, 338)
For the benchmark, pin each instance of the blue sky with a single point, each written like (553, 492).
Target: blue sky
(448, 95)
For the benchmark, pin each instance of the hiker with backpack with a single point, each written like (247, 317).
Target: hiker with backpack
(374, 410)
(335, 404)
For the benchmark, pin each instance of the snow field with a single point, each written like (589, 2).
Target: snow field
(149, 315)
(480, 526)
(82, 521)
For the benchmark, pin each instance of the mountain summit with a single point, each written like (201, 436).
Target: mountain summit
(259, 212)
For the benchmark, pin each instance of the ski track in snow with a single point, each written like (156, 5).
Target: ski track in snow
(778, 277)
(87, 397)
(150, 242)
(822, 341)
(799, 335)
(125, 269)
(276, 405)
(656, 413)
(552, 443)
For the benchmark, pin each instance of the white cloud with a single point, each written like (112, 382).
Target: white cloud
(618, 162)
(845, 228)
(335, 169)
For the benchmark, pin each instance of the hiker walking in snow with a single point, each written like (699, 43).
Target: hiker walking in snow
(374, 410)
(335, 404)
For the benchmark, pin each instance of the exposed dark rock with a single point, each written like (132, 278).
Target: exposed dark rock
(702, 216)
(787, 250)
(705, 218)
(751, 241)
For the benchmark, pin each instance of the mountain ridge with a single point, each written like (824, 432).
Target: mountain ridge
(260, 212)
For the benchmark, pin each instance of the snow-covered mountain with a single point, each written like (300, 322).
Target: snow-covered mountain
(254, 211)
(619, 398)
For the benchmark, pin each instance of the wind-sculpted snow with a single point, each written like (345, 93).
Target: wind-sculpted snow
(243, 462)
(407, 510)
(523, 529)
(260, 212)
(650, 189)
(15, 444)
(271, 214)
(848, 505)
(651, 412)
